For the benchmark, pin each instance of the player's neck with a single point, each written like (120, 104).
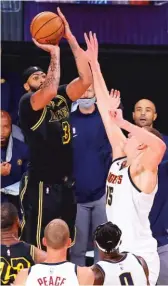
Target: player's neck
(115, 256)
(87, 110)
(9, 237)
(56, 256)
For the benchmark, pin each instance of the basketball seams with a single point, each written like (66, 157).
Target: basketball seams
(34, 20)
(45, 24)
(51, 33)
(48, 28)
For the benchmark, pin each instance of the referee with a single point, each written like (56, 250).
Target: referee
(47, 190)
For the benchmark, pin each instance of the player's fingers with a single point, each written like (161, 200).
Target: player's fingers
(62, 16)
(42, 46)
(112, 113)
(95, 43)
(115, 93)
(87, 40)
(36, 43)
(112, 92)
(91, 39)
(118, 93)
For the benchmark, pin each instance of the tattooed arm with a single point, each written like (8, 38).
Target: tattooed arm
(42, 97)
(78, 86)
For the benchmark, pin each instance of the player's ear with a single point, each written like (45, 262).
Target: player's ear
(44, 242)
(26, 86)
(69, 242)
(18, 222)
(133, 115)
(155, 116)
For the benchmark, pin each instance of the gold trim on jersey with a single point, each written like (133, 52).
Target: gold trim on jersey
(34, 127)
(22, 193)
(74, 240)
(40, 212)
(62, 100)
(32, 251)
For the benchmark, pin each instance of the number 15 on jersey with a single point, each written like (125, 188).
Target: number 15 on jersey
(109, 195)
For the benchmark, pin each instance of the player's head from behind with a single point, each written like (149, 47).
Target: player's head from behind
(144, 113)
(33, 79)
(133, 147)
(9, 218)
(57, 236)
(88, 99)
(107, 237)
(6, 127)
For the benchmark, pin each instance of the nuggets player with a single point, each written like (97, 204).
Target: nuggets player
(114, 267)
(132, 179)
(56, 270)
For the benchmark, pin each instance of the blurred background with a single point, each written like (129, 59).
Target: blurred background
(133, 51)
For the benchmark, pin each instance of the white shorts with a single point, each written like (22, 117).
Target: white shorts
(153, 262)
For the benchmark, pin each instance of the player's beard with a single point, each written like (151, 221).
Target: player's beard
(34, 89)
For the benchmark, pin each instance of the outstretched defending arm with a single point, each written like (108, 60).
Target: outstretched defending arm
(42, 97)
(104, 100)
(78, 86)
(155, 146)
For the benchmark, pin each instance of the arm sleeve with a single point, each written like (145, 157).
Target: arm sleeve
(27, 116)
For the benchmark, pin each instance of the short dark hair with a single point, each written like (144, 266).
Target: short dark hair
(9, 215)
(154, 132)
(107, 236)
(29, 71)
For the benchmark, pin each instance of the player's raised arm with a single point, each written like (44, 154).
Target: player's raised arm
(77, 87)
(42, 97)
(155, 147)
(104, 100)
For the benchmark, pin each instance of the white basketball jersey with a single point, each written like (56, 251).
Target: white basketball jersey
(63, 273)
(129, 208)
(126, 272)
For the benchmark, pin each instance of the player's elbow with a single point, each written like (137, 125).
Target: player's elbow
(161, 149)
(86, 79)
(41, 99)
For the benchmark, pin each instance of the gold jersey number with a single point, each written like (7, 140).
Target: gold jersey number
(67, 132)
(126, 279)
(8, 271)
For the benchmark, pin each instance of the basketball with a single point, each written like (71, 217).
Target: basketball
(47, 28)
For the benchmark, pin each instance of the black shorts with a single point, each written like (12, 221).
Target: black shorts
(42, 203)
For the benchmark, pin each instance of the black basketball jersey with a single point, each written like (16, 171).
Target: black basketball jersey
(13, 259)
(48, 135)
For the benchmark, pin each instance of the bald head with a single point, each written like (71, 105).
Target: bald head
(146, 103)
(144, 113)
(57, 234)
(6, 124)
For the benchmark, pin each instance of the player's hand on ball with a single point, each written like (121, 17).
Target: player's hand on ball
(46, 47)
(68, 34)
(92, 47)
